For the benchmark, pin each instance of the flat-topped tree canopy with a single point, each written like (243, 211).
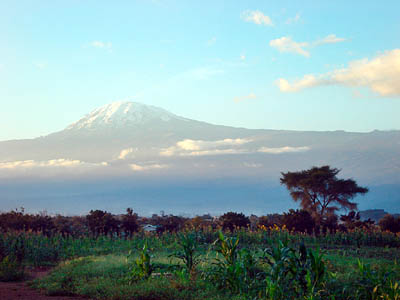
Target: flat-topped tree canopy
(320, 191)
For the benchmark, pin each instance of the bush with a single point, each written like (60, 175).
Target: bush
(299, 221)
(271, 220)
(232, 220)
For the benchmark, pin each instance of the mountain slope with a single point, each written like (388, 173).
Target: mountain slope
(152, 147)
(101, 136)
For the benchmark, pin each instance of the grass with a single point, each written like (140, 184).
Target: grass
(107, 277)
(102, 268)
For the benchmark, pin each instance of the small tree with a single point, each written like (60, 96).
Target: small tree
(353, 220)
(170, 223)
(321, 192)
(101, 222)
(130, 222)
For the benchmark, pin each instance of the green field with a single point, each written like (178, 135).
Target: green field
(209, 264)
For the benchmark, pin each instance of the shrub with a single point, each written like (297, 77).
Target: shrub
(299, 221)
(271, 220)
(390, 223)
(232, 220)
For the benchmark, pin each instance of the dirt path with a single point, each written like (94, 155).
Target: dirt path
(21, 291)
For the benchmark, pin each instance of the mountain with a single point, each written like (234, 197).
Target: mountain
(120, 115)
(135, 147)
(374, 214)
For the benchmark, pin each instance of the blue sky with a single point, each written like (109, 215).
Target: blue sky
(302, 65)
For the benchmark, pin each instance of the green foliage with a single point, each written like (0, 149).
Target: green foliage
(233, 267)
(285, 270)
(228, 247)
(294, 273)
(142, 267)
(188, 251)
(236, 270)
(11, 269)
(373, 284)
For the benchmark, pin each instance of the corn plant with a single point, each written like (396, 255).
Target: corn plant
(278, 280)
(188, 251)
(392, 292)
(316, 270)
(237, 269)
(375, 284)
(297, 273)
(227, 247)
(142, 267)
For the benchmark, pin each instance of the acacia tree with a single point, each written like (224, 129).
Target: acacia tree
(321, 192)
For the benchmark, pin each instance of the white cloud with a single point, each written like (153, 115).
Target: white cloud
(100, 44)
(214, 152)
(305, 82)
(242, 57)
(199, 147)
(329, 39)
(293, 20)
(222, 147)
(244, 98)
(125, 153)
(286, 44)
(280, 150)
(28, 164)
(136, 167)
(256, 17)
(380, 74)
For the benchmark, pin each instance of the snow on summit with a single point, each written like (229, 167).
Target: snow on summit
(121, 113)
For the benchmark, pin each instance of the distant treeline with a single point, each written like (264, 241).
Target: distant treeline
(99, 222)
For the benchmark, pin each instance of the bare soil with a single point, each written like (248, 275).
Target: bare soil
(20, 290)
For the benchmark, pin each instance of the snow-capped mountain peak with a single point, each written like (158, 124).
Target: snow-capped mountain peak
(122, 114)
